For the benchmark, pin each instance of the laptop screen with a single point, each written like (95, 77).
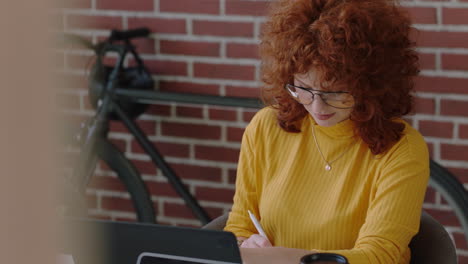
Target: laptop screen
(154, 258)
(130, 243)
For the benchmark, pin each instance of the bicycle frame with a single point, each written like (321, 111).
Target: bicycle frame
(97, 130)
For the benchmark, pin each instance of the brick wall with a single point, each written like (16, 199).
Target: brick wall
(210, 47)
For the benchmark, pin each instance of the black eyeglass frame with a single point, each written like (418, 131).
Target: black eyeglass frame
(319, 93)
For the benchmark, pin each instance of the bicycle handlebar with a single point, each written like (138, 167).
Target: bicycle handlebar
(129, 34)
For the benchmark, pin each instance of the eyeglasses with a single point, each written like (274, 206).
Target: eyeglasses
(337, 99)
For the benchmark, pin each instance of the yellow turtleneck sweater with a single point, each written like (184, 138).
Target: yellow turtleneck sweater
(366, 208)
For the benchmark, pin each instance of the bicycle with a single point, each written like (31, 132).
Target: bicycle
(124, 104)
(111, 95)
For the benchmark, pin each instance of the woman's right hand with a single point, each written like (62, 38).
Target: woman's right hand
(256, 241)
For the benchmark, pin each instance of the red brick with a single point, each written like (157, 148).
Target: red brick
(165, 149)
(454, 107)
(248, 115)
(190, 6)
(423, 15)
(159, 110)
(186, 111)
(443, 201)
(135, 5)
(247, 7)
(454, 62)
(235, 134)
(454, 152)
(103, 166)
(214, 194)
(239, 50)
(117, 204)
(224, 71)
(94, 22)
(116, 126)
(460, 241)
(73, 4)
(160, 67)
(120, 144)
(232, 175)
(438, 129)
(190, 48)
(242, 91)
(107, 183)
(127, 219)
(187, 87)
(441, 39)
(430, 146)
(221, 114)
(216, 153)
(182, 211)
(159, 25)
(424, 105)
(430, 196)
(455, 16)
(148, 126)
(427, 61)
(190, 130)
(178, 210)
(195, 172)
(446, 218)
(145, 167)
(161, 189)
(460, 173)
(68, 101)
(460, 258)
(463, 131)
(144, 45)
(109, 61)
(222, 28)
(442, 84)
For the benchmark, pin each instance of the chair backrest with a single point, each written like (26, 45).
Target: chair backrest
(432, 244)
(218, 223)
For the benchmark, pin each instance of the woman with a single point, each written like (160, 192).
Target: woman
(330, 166)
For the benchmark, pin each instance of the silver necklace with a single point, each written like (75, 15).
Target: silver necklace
(328, 163)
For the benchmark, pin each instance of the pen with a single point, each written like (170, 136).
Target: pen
(257, 225)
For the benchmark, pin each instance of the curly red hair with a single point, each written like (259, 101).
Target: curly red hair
(362, 43)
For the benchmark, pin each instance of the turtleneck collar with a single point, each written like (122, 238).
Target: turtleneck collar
(344, 129)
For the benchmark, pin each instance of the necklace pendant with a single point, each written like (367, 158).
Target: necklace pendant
(328, 167)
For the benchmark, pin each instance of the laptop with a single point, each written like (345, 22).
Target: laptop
(108, 242)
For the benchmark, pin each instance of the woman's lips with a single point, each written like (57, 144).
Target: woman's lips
(324, 117)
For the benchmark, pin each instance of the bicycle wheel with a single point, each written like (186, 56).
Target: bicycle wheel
(452, 190)
(130, 177)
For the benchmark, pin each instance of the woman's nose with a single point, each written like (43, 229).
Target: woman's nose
(318, 103)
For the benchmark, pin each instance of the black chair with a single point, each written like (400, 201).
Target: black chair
(431, 245)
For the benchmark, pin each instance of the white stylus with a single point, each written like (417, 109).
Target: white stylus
(257, 225)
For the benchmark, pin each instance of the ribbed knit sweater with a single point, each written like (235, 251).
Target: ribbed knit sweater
(367, 207)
